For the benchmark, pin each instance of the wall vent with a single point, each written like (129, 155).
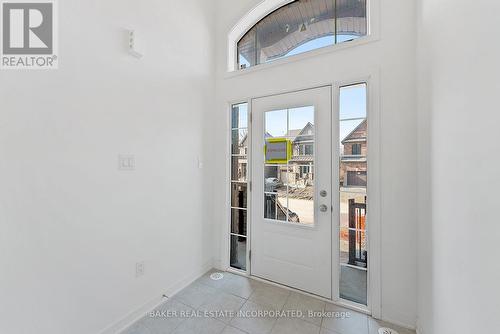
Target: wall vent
(387, 331)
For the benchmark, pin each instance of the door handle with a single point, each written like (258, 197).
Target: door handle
(323, 208)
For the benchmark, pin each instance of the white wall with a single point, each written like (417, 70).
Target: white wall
(72, 225)
(459, 140)
(425, 309)
(393, 57)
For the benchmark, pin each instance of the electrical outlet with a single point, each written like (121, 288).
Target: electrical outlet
(126, 162)
(139, 269)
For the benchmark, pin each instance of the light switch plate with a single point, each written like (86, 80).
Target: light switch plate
(126, 162)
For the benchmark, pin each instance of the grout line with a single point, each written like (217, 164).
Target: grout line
(322, 318)
(238, 329)
(282, 307)
(220, 289)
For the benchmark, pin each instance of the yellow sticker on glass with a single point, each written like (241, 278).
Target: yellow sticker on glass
(278, 150)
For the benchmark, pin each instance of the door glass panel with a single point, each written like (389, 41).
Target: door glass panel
(275, 207)
(239, 142)
(276, 123)
(301, 194)
(351, 132)
(301, 208)
(239, 221)
(239, 116)
(353, 276)
(239, 168)
(238, 258)
(239, 186)
(347, 200)
(353, 180)
(303, 179)
(275, 178)
(353, 102)
(356, 255)
(289, 187)
(239, 195)
(301, 121)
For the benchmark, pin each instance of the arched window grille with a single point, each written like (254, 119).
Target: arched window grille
(301, 26)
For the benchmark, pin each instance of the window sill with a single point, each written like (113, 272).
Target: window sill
(303, 56)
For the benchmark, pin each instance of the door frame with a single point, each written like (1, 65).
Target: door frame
(372, 81)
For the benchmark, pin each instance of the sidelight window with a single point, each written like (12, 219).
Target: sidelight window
(239, 186)
(353, 194)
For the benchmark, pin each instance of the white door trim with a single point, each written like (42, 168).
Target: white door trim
(373, 192)
(372, 79)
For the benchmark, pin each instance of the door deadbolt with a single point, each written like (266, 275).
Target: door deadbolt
(323, 193)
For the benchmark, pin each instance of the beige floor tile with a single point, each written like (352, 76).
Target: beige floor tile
(270, 295)
(222, 306)
(232, 330)
(240, 286)
(294, 326)
(344, 321)
(200, 326)
(305, 304)
(196, 295)
(254, 324)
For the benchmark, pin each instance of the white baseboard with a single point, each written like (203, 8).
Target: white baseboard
(133, 316)
(137, 314)
(399, 323)
(188, 279)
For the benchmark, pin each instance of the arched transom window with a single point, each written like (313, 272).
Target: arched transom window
(301, 26)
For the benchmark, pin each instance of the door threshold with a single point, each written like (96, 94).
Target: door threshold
(342, 303)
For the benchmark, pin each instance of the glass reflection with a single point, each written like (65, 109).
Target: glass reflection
(276, 123)
(291, 185)
(239, 169)
(238, 258)
(239, 221)
(301, 194)
(353, 177)
(302, 26)
(353, 102)
(301, 121)
(239, 195)
(275, 207)
(239, 142)
(239, 116)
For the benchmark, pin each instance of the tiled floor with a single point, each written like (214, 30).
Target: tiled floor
(229, 306)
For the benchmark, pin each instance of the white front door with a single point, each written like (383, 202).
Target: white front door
(292, 195)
